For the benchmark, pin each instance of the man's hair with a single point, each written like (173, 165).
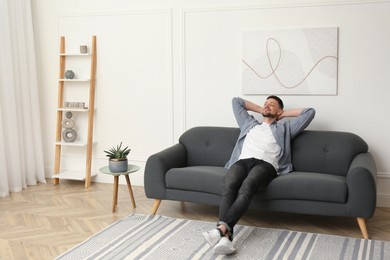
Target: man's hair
(280, 102)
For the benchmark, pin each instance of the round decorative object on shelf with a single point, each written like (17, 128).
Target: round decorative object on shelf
(69, 135)
(68, 114)
(68, 123)
(69, 74)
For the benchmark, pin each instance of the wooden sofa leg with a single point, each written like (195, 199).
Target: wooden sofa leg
(155, 206)
(363, 227)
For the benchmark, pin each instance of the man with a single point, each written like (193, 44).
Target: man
(261, 153)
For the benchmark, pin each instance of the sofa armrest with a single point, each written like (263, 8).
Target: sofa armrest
(361, 182)
(156, 167)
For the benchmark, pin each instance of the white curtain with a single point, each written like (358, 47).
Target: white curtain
(21, 150)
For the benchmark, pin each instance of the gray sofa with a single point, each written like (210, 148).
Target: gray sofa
(334, 174)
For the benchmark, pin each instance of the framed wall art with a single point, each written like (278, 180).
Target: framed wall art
(290, 61)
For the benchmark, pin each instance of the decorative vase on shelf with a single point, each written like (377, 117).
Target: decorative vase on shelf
(69, 74)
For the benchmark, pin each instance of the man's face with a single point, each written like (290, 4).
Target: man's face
(271, 108)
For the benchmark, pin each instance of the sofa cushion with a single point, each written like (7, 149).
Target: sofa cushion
(326, 151)
(208, 179)
(306, 186)
(294, 186)
(209, 146)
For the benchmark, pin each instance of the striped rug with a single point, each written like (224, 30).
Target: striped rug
(158, 237)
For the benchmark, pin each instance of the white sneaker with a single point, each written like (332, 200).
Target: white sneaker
(224, 247)
(212, 237)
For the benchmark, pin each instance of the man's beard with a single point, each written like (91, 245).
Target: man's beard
(270, 115)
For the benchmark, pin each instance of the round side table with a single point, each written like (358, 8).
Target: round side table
(130, 169)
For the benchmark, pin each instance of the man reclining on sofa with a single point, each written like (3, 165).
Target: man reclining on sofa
(262, 151)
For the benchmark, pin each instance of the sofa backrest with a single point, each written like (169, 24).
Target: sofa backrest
(211, 146)
(326, 151)
(312, 151)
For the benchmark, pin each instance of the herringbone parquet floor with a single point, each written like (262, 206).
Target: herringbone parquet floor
(45, 220)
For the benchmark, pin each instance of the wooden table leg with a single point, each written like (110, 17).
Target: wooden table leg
(130, 190)
(115, 194)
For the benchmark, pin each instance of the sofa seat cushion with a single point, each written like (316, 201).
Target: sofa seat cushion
(292, 186)
(208, 179)
(306, 186)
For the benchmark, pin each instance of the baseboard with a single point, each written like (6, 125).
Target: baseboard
(383, 191)
(383, 201)
(137, 178)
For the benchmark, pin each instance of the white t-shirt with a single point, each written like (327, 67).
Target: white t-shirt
(261, 144)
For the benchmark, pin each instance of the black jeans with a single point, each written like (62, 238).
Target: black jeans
(243, 180)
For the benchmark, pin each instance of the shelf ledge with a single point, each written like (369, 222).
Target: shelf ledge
(75, 54)
(72, 175)
(73, 109)
(74, 80)
(77, 143)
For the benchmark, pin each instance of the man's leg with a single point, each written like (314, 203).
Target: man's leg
(260, 175)
(233, 181)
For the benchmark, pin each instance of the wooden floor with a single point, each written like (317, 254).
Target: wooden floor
(46, 220)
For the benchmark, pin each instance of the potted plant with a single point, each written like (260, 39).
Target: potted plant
(118, 158)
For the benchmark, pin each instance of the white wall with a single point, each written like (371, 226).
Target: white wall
(166, 66)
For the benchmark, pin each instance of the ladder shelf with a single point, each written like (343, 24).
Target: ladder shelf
(61, 110)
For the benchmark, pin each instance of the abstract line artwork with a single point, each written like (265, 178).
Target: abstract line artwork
(290, 61)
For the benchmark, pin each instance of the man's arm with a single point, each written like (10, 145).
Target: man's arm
(291, 113)
(240, 111)
(252, 106)
(301, 121)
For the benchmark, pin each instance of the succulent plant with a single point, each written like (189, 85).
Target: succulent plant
(118, 152)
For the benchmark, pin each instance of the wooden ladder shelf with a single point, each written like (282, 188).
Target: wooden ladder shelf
(61, 110)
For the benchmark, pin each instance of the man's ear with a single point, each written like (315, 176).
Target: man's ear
(279, 114)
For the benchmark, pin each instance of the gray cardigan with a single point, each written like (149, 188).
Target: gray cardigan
(283, 132)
